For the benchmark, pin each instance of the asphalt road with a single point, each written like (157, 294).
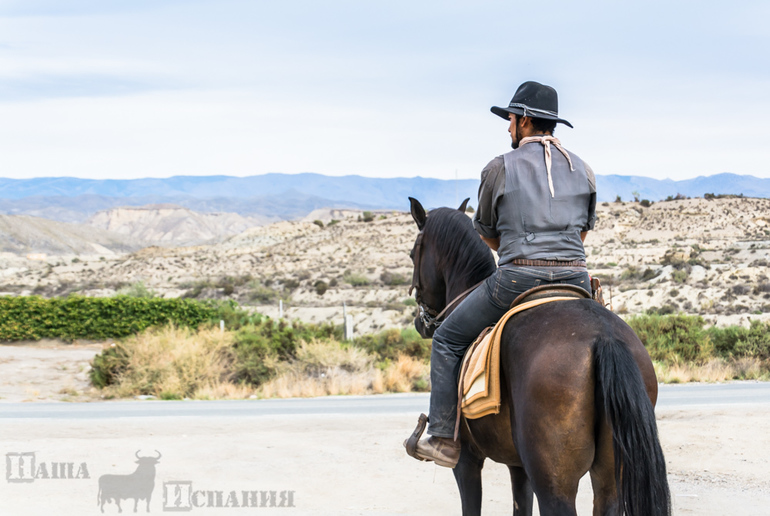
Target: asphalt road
(670, 397)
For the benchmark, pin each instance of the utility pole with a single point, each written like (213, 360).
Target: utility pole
(457, 198)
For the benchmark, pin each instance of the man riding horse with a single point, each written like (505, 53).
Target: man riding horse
(536, 204)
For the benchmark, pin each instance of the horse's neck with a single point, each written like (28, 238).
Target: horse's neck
(456, 286)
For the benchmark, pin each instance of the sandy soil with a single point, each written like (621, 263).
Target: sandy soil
(718, 459)
(334, 465)
(47, 370)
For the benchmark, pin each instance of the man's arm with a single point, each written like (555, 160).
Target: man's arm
(491, 188)
(493, 243)
(591, 203)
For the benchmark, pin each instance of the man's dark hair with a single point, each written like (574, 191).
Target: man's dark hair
(541, 125)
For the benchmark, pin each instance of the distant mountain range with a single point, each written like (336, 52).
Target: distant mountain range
(291, 196)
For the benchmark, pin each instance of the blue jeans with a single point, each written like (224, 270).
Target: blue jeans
(483, 307)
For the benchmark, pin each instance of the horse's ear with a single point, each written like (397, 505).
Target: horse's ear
(418, 213)
(464, 205)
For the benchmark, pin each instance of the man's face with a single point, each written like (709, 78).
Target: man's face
(514, 130)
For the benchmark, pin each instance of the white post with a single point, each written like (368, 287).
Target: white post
(222, 325)
(280, 309)
(347, 325)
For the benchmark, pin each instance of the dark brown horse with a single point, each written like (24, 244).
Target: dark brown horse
(578, 391)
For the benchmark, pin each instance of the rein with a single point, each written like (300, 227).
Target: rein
(431, 318)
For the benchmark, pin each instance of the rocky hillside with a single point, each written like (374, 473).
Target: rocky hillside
(167, 224)
(700, 256)
(22, 234)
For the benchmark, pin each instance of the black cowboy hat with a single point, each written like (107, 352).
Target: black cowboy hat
(534, 100)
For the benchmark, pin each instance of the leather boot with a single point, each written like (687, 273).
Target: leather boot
(444, 451)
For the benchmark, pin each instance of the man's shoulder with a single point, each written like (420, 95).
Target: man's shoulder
(496, 163)
(493, 169)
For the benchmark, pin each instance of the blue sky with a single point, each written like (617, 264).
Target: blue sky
(153, 88)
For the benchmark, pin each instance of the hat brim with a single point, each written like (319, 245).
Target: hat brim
(505, 112)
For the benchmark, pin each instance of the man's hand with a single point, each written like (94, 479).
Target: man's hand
(583, 236)
(493, 243)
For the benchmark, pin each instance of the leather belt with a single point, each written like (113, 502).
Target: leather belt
(547, 263)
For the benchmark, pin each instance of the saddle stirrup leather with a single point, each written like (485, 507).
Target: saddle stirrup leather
(411, 443)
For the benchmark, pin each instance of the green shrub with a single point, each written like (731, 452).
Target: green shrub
(260, 293)
(355, 279)
(138, 289)
(389, 344)
(673, 338)
(392, 279)
(368, 216)
(738, 342)
(662, 310)
(79, 317)
(680, 276)
(318, 223)
(259, 347)
(320, 287)
(108, 365)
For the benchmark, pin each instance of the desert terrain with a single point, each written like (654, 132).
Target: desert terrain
(696, 256)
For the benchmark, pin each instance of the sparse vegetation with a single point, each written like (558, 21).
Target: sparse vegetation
(320, 287)
(271, 358)
(355, 279)
(169, 363)
(392, 279)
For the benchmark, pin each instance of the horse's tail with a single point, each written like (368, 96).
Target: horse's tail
(640, 468)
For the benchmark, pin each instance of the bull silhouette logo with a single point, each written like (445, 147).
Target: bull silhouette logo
(138, 485)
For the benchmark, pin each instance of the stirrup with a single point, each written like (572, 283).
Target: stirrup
(411, 443)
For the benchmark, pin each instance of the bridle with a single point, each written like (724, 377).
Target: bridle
(431, 318)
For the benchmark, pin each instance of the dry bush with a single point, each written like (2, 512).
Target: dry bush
(174, 363)
(224, 391)
(714, 370)
(325, 368)
(407, 374)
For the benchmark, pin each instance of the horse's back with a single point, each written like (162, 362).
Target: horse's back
(555, 344)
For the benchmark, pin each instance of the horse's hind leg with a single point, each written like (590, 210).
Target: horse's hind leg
(522, 492)
(556, 453)
(468, 476)
(603, 475)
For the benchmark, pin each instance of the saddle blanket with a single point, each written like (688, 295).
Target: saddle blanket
(479, 386)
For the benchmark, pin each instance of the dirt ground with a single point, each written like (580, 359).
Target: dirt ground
(46, 370)
(718, 458)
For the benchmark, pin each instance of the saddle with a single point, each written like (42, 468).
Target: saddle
(479, 385)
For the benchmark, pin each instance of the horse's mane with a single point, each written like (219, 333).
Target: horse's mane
(460, 253)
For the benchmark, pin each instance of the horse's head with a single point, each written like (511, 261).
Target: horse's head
(429, 276)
